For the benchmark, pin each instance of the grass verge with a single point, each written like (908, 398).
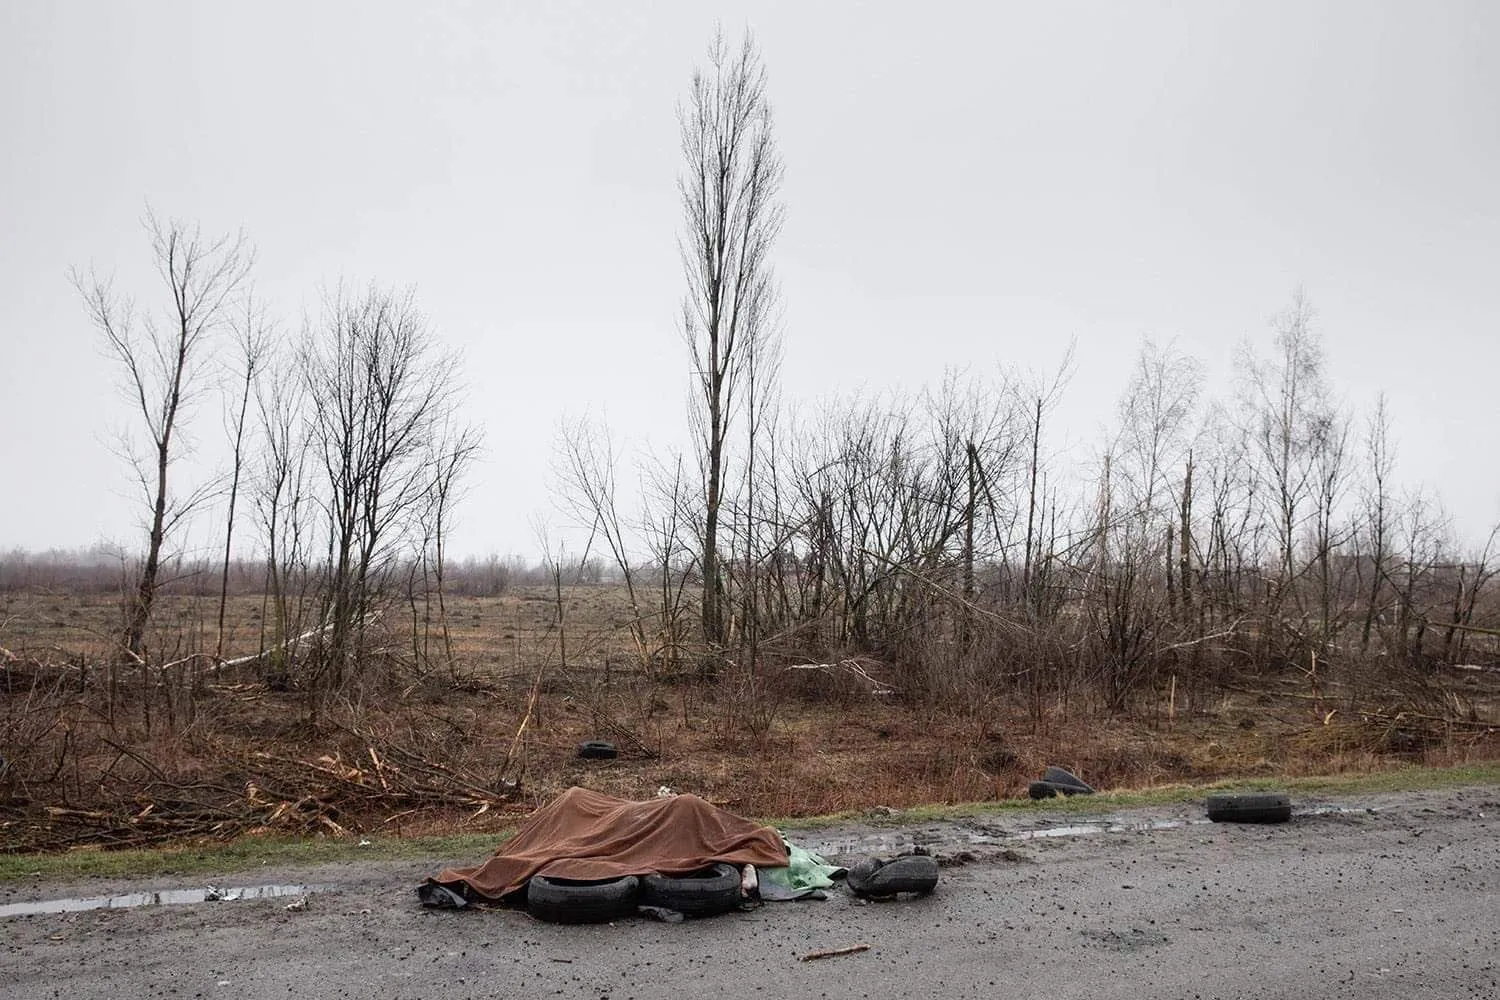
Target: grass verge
(250, 853)
(1409, 779)
(245, 855)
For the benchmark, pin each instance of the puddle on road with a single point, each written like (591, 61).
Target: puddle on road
(1087, 829)
(885, 842)
(1335, 811)
(165, 897)
(894, 842)
(1081, 830)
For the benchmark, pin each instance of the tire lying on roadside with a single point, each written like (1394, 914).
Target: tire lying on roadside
(1067, 781)
(703, 893)
(576, 901)
(873, 877)
(1052, 789)
(598, 750)
(1055, 781)
(1255, 807)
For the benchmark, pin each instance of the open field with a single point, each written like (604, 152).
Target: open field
(215, 753)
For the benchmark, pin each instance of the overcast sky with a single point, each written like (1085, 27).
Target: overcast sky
(966, 185)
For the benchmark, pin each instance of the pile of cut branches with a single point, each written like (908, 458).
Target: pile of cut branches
(333, 794)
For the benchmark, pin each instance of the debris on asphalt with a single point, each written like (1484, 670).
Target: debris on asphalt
(853, 949)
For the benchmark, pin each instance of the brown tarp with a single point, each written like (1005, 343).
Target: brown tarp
(589, 835)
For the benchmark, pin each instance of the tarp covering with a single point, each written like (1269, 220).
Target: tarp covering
(589, 835)
(804, 875)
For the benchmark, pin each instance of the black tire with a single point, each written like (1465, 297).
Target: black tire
(598, 750)
(573, 901)
(1257, 807)
(916, 873)
(440, 897)
(702, 894)
(1042, 790)
(1067, 779)
(1051, 789)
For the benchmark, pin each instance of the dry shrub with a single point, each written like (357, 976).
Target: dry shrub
(970, 721)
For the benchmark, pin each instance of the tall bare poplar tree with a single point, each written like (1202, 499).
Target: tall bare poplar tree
(165, 363)
(732, 214)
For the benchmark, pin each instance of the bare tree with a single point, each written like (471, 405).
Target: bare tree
(1042, 394)
(165, 367)
(1473, 576)
(1132, 595)
(587, 489)
(453, 450)
(978, 437)
(1330, 473)
(1228, 544)
(252, 335)
(379, 390)
(668, 540)
(1423, 530)
(282, 503)
(1154, 413)
(1377, 509)
(729, 190)
(1287, 402)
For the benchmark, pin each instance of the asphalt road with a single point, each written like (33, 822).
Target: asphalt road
(1401, 902)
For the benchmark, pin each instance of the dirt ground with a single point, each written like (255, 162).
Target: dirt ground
(1395, 895)
(437, 755)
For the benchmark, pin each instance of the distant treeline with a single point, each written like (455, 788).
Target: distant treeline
(98, 571)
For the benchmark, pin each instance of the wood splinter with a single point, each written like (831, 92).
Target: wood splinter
(834, 952)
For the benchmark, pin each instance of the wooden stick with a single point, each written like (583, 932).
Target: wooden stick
(834, 952)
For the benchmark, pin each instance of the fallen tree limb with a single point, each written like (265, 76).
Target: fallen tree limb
(1226, 633)
(850, 666)
(853, 949)
(240, 661)
(1461, 627)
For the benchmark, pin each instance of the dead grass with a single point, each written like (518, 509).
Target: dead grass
(762, 749)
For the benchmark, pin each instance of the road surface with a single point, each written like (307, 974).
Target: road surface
(1392, 896)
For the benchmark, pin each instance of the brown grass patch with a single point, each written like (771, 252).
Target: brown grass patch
(777, 744)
